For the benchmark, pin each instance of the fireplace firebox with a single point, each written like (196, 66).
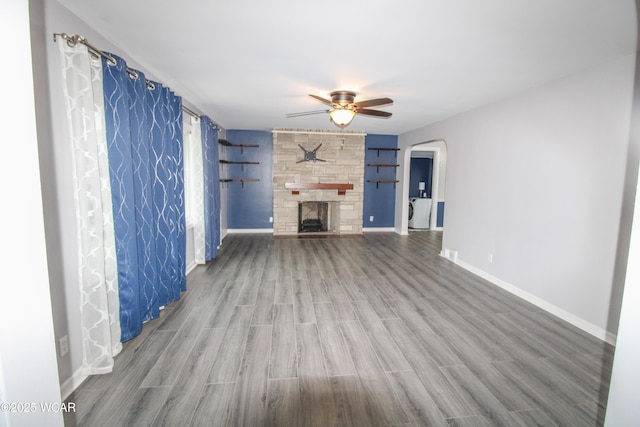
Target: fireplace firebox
(313, 217)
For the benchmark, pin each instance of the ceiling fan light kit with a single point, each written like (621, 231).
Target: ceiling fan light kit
(344, 108)
(341, 118)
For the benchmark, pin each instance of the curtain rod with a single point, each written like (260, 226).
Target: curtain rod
(191, 113)
(73, 42)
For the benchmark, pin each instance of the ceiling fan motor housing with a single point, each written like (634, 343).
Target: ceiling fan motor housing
(343, 97)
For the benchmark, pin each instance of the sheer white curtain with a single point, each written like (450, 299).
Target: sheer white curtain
(82, 83)
(197, 195)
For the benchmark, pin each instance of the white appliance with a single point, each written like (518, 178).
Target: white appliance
(419, 212)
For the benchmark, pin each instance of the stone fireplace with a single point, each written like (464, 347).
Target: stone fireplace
(338, 172)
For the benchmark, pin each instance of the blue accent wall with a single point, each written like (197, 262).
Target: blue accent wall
(421, 170)
(440, 219)
(251, 206)
(379, 202)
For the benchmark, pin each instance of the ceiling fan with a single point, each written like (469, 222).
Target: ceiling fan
(344, 108)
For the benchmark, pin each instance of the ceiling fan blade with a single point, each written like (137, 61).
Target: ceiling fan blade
(375, 113)
(324, 101)
(307, 113)
(374, 102)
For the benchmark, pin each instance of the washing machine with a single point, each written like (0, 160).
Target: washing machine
(419, 212)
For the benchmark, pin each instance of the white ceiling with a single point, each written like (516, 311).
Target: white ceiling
(247, 63)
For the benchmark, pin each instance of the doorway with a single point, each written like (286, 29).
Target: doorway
(433, 186)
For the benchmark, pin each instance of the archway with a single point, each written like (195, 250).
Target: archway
(438, 150)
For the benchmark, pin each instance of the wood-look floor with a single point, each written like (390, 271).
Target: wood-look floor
(372, 331)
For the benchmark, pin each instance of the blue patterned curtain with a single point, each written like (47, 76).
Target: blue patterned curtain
(145, 148)
(211, 187)
(145, 219)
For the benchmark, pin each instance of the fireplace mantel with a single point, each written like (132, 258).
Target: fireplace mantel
(295, 187)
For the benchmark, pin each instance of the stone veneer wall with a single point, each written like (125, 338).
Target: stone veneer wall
(344, 155)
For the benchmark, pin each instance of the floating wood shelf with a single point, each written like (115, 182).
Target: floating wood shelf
(382, 165)
(378, 181)
(231, 144)
(241, 180)
(379, 149)
(295, 187)
(231, 162)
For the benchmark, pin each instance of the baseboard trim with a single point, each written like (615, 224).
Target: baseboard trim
(249, 230)
(68, 386)
(576, 321)
(378, 229)
(191, 266)
(400, 232)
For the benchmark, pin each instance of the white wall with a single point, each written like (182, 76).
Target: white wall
(28, 371)
(622, 406)
(537, 181)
